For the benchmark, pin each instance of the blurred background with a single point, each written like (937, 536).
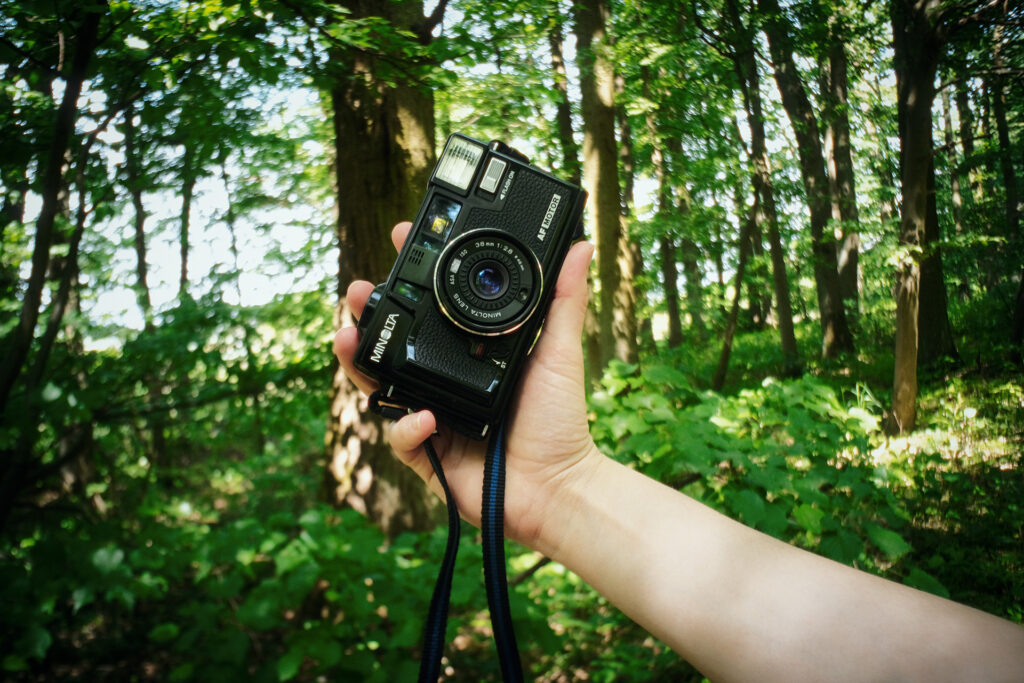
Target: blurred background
(807, 310)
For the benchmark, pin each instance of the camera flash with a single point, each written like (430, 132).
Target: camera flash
(458, 162)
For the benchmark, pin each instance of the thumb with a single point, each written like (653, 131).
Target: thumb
(569, 305)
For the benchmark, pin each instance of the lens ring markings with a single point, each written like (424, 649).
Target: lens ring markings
(469, 301)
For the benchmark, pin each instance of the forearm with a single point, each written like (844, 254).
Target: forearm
(740, 605)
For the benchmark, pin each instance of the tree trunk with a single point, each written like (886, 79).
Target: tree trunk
(383, 155)
(563, 109)
(1010, 194)
(764, 193)
(600, 169)
(134, 184)
(935, 334)
(966, 116)
(665, 212)
(842, 182)
(836, 336)
(916, 49)
(670, 282)
(718, 381)
(1017, 330)
(188, 185)
(953, 167)
(573, 173)
(627, 340)
(18, 341)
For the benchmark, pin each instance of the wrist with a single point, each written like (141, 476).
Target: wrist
(566, 498)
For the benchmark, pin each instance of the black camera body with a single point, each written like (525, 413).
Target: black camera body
(453, 325)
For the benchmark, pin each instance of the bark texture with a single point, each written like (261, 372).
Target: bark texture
(384, 151)
(836, 336)
(916, 49)
(600, 175)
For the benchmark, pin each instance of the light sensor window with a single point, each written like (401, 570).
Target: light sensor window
(489, 183)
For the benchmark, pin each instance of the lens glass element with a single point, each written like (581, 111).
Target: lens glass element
(489, 280)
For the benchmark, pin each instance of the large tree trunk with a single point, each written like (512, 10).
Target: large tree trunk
(572, 172)
(746, 70)
(966, 117)
(836, 336)
(839, 164)
(384, 152)
(916, 50)
(600, 172)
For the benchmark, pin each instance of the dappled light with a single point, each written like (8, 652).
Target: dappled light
(806, 312)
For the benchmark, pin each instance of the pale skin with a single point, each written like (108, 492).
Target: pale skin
(737, 604)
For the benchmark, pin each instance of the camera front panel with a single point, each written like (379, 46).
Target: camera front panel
(453, 324)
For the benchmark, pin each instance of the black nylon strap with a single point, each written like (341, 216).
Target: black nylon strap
(492, 524)
(493, 528)
(437, 617)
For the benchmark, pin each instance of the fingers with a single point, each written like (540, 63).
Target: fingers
(569, 306)
(345, 343)
(399, 233)
(357, 294)
(407, 436)
(347, 339)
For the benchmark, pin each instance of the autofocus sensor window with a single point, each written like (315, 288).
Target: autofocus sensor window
(486, 282)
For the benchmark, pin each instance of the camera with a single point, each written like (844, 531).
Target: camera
(453, 325)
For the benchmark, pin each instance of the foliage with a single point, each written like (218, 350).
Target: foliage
(166, 453)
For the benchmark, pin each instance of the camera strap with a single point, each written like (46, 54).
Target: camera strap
(495, 580)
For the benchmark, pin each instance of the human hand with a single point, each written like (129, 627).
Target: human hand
(548, 439)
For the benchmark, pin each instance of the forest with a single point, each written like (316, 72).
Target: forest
(807, 310)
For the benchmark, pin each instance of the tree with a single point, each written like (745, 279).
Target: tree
(836, 335)
(601, 178)
(383, 119)
(745, 64)
(839, 161)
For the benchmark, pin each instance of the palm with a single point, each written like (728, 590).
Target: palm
(548, 433)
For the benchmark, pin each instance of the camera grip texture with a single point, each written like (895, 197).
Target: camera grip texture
(445, 351)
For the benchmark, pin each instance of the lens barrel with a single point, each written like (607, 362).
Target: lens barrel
(487, 283)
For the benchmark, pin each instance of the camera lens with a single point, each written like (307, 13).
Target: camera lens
(486, 282)
(489, 280)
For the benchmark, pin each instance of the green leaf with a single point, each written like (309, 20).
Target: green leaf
(164, 633)
(288, 666)
(36, 641)
(182, 673)
(749, 506)
(808, 517)
(775, 519)
(842, 546)
(80, 597)
(107, 559)
(888, 541)
(15, 663)
(919, 578)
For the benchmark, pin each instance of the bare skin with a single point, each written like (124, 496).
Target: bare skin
(737, 604)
